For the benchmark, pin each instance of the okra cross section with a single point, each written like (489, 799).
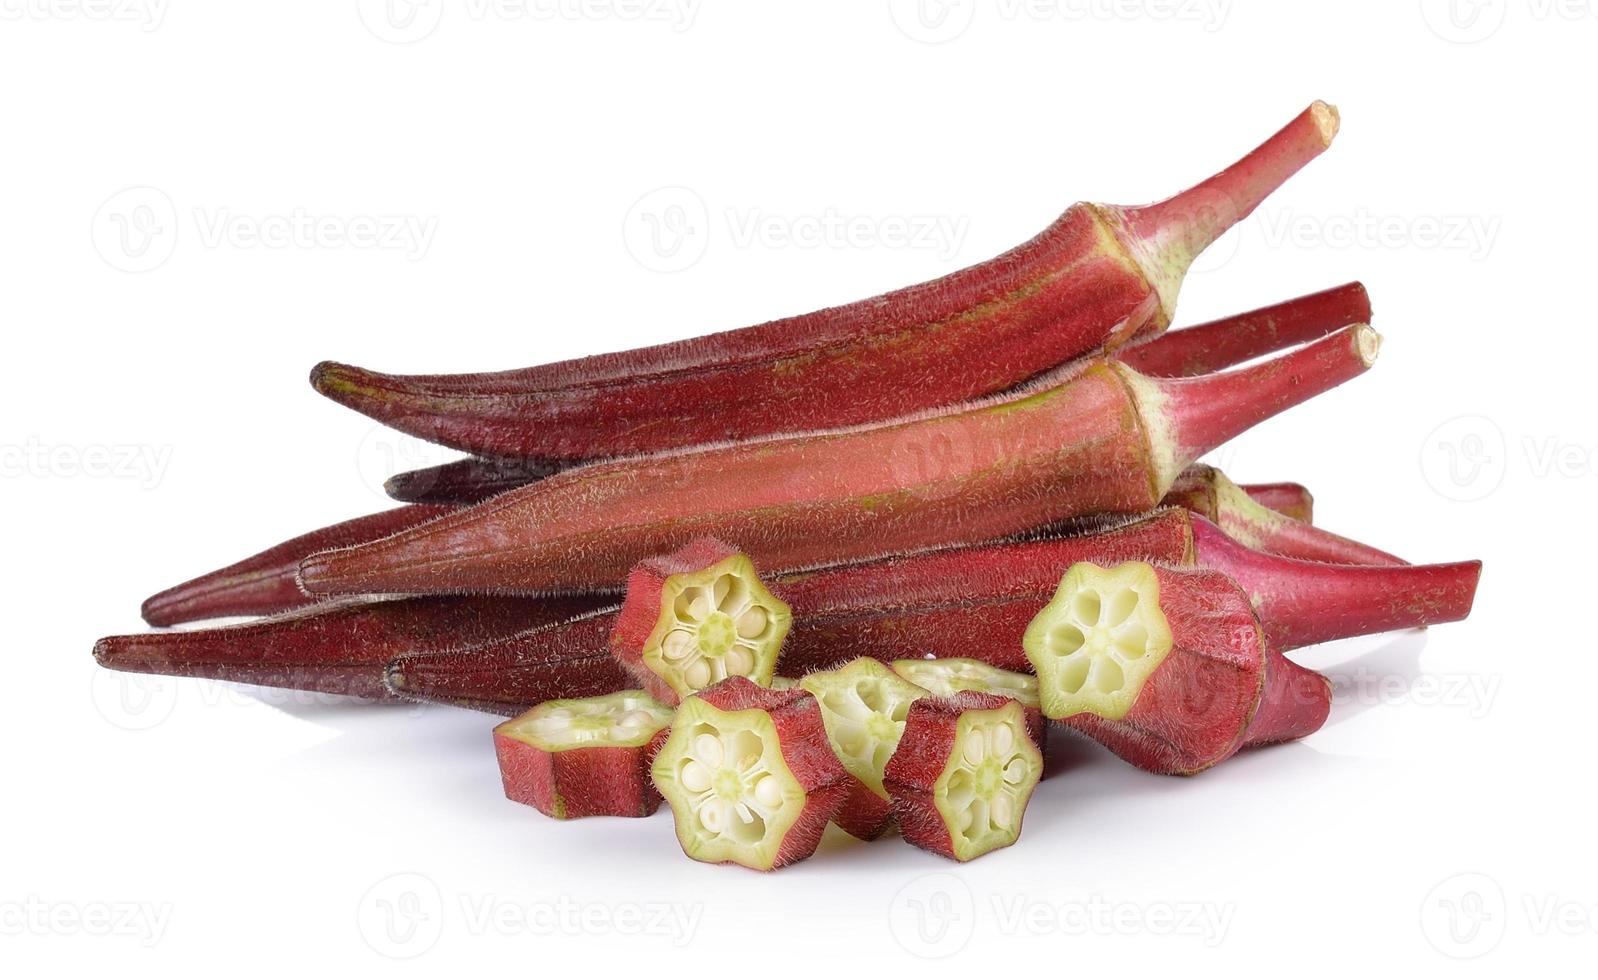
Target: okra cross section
(749, 776)
(1100, 639)
(963, 774)
(696, 617)
(864, 706)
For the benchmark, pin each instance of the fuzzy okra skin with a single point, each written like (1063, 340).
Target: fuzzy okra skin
(339, 648)
(1168, 668)
(1108, 441)
(1207, 491)
(265, 583)
(584, 757)
(1097, 277)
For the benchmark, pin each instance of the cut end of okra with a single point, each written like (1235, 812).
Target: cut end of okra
(950, 676)
(716, 623)
(1098, 640)
(863, 706)
(696, 617)
(583, 757)
(963, 775)
(620, 720)
(732, 787)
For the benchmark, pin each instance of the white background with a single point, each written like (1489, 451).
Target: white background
(157, 423)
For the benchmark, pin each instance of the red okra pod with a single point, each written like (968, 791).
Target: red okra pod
(1109, 441)
(1096, 278)
(338, 648)
(1224, 343)
(265, 583)
(1303, 602)
(1234, 340)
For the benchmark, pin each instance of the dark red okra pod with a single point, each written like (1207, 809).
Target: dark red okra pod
(337, 648)
(266, 583)
(1109, 441)
(1093, 280)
